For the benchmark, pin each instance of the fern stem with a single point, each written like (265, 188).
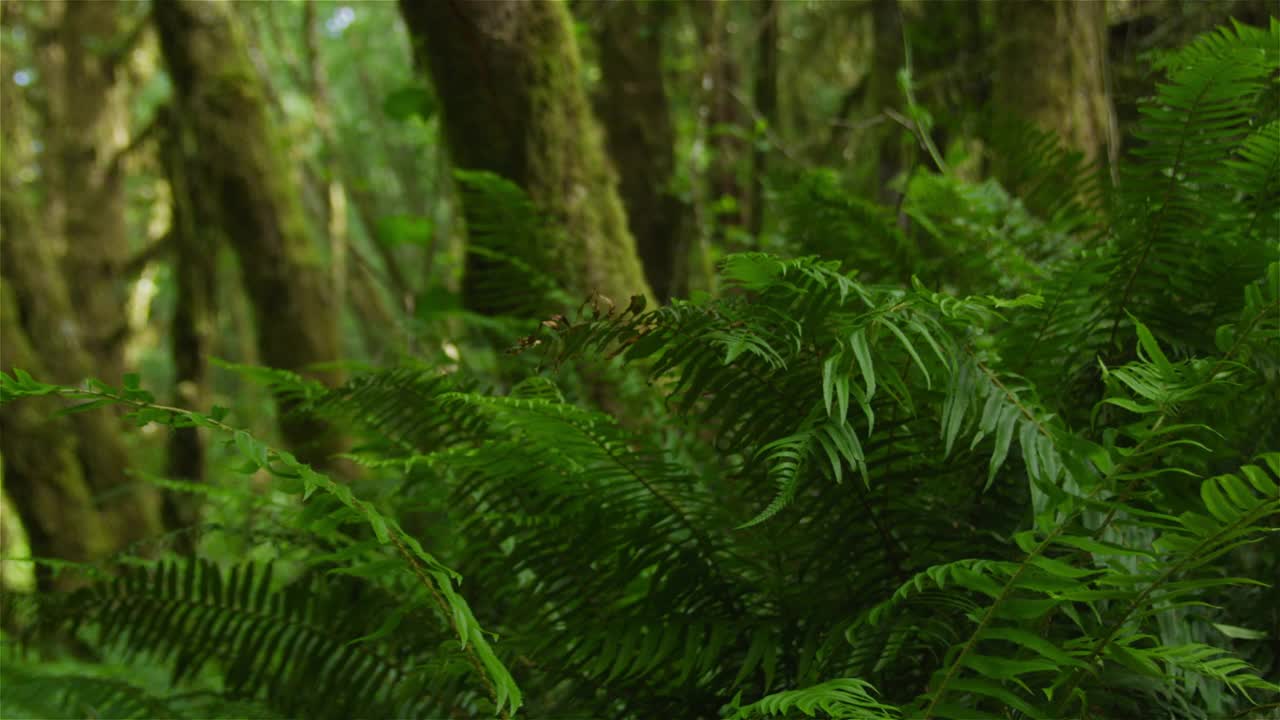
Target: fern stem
(445, 611)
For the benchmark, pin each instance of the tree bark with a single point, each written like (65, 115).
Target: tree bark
(66, 475)
(633, 106)
(882, 145)
(42, 472)
(195, 239)
(221, 100)
(1050, 66)
(723, 117)
(507, 74)
(86, 132)
(765, 96)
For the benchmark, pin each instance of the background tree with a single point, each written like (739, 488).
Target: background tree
(765, 96)
(632, 103)
(68, 477)
(195, 241)
(507, 75)
(86, 127)
(220, 100)
(1066, 44)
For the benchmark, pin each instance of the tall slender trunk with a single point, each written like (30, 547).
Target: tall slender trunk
(195, 240)
(765, 96)
(721, 113)
(507, 74)
(633, 106)
(86, 133)
(221, 101)
(881, 148)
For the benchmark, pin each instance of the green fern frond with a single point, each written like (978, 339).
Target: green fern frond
(509, 246)
(847, 698)
(29, 692)
(274, 641)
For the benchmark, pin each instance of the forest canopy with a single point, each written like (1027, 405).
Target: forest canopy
(638, 359)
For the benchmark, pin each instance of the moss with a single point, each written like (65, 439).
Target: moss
(221, 103)
(1066, 44)
(43, 474)
(85, 129)
(55, 465)
(508, 75)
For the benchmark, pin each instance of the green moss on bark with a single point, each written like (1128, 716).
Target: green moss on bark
(221, 104)
(508, 76)
(1065, 43)
(53, 465)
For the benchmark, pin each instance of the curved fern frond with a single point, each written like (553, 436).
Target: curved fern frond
(846, 698)
(293, 475)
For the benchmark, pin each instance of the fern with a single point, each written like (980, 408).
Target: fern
(916, 484)
(434, 577)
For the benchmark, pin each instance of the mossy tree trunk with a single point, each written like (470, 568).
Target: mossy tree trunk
(633, 106)
(42, 471)
(508, 77)
(66, 475)
(87, 131)
(1050, 70)
(257, 197)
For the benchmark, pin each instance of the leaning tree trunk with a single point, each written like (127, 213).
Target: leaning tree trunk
(221, 102)
(508, 77)
(1050, 66)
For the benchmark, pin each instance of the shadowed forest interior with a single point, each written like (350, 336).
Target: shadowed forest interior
(640, 359)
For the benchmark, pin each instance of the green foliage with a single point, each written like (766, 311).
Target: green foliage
(944, 487)
(126, 611)
(510, 245)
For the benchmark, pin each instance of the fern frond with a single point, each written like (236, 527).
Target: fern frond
(847, 698)
(510, 245)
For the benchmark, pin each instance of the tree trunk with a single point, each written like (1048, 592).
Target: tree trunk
(722, 116)
(882, 145)
(1050, 69)
(633, 106)
(42, 472)
(195, 240)
(86, 132)
(507, 74)
(765, 96)
(66, 475)
(221, 100)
